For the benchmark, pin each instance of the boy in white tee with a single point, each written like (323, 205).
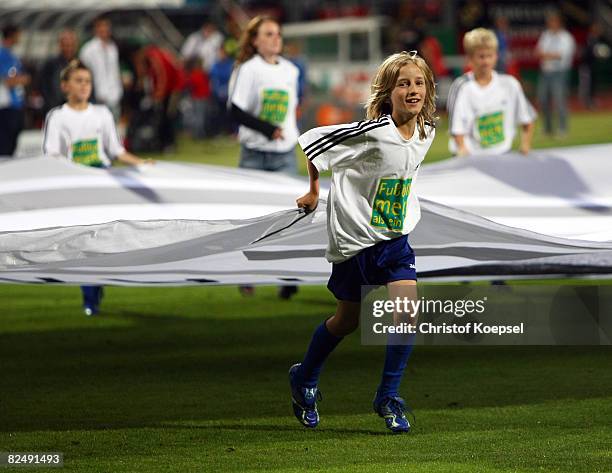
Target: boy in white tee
(85, 134)
(484, 106)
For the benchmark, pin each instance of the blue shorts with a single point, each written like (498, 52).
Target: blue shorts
(386, 261)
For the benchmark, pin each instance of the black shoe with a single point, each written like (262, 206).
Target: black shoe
(287, 292)
(246, 291)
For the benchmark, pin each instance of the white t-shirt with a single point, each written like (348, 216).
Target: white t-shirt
(373, 169)
(103, 60)
(560, 42)
(487, 116)
(87, 137)
(269, 92)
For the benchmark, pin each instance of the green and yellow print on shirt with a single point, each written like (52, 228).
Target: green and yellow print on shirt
(491, 129)
(274, 105)
(86, 152)
(390, 201)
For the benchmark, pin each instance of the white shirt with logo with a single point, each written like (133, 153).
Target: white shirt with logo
(487, 116)
(374, 168)
(87, 137)
(269, 92)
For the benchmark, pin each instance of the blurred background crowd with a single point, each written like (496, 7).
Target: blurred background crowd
(163, 66)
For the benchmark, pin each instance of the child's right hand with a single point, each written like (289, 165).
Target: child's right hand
(308, 202)
(278, 134)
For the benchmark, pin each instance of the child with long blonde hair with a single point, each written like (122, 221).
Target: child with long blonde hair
(368, 226)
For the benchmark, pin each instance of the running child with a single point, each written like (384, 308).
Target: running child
(367, 228)
(484, 106)
(85, 134)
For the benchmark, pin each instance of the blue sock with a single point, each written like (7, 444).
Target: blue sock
(321, 345)
(396, 358)
(92, 295)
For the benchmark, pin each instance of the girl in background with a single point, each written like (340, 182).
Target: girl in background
(263, 100)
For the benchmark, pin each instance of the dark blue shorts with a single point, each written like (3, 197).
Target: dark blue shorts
(386, 261)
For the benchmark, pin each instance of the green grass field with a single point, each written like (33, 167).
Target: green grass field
(194, 379)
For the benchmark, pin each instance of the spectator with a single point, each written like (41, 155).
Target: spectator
(596, 50)
(555, 49)
(431, 50)
(502, 28)
(165, 80)
(485, 106)
(50, 87)
(198, 86)
(203, 44)
(101, 56)
(414, 37)
(411, 34)
(12, 91)
(220, 75)
(293, 52)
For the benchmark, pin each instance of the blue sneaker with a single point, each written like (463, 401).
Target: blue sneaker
(304, 400)
(392, 409)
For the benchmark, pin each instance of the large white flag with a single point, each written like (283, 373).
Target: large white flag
(178, 224)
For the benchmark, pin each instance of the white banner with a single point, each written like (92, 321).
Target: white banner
(180, 224)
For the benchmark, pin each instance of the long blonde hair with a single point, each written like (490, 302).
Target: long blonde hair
(379, 102)
(246, 50)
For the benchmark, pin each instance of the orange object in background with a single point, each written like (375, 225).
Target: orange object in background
(328, 114)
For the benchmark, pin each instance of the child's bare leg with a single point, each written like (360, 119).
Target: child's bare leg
(345, 320)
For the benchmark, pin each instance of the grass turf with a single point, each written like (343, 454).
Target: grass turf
(194, 379)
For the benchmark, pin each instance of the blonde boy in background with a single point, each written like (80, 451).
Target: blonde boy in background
(484, 106)
(85, 134)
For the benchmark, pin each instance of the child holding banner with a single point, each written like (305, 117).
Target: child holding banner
(263, 100)
(85, 134)
(484, 106)
(370, 213)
